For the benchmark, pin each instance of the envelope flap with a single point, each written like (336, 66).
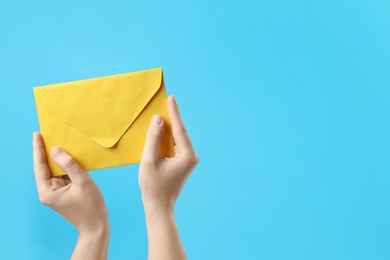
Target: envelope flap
(101, 108)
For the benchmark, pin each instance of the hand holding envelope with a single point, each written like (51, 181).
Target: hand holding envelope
(102, 122)
(78, 199)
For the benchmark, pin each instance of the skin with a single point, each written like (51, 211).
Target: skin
(161, 181)
(76, 197)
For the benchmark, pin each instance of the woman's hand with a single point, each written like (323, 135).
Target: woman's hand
(161, 181)
(74, 196)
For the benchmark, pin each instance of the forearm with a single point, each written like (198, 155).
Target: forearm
(92, 245)
(163, 236)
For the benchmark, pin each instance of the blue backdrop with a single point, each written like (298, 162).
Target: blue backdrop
(287, 104)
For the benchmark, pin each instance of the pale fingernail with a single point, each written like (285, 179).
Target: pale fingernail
(174, 100)
(156, 120)
(56, 151)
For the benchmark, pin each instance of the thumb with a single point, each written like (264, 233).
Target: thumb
(68, 164)
(151, 151)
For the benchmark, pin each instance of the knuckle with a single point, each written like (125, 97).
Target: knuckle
(37, 168)
(180, 128)
(146, 160)
(193, 160)
(152, 137)
(43, 199)
(149, 162)
(197, 160)
(154, 133)
(68, 163)
(84, 182)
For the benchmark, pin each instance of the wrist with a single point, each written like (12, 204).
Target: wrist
(158, 206)
(101, 231)
(92, 244)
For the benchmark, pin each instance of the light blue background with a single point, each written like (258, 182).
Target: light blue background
(287, 104)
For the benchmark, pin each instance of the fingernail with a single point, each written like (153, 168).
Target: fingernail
(56, 151)
(174, 98)
(156, 120)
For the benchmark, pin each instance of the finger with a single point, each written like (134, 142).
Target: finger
(69, 165)
(151, 150)
(41, 170)
(179, 131)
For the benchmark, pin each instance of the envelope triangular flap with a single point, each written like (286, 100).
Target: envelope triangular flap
(101, 108)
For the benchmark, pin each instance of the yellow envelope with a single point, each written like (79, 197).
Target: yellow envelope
(102, 122)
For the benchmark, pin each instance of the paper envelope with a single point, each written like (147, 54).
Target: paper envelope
(102, 122)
